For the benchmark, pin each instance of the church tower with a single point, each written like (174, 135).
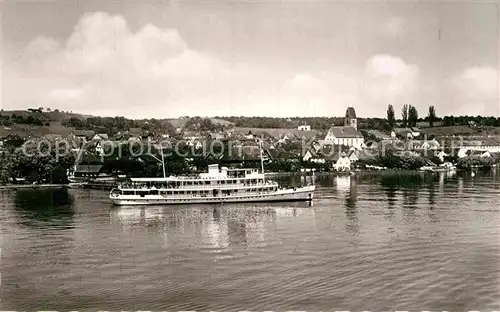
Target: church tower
(350, 118)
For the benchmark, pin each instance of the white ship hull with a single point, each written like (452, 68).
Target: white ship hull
(299, 194)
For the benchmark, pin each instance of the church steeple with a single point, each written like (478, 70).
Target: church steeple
(350, 118)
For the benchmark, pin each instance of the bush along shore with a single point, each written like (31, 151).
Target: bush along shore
(42, 164)
(37, 163)
(407, 160)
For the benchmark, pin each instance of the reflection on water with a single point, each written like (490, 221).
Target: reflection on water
(215, 227)
(52, 208)
(432, 195)
(460, 187)
(376, 241)
(442, 176)
(390, 191)
(343, 184)
(352, 224)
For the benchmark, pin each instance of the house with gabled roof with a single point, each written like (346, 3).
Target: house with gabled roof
(84, 134)
(355, 154)
(347, 135)
(424, 145)
(343, 163)
(87, 170)
(378, 135)
(325, 153)
(100, 137)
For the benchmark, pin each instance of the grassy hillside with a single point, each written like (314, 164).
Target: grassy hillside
(38, 123)
(181, 122)
(33, 122)
(57, 116)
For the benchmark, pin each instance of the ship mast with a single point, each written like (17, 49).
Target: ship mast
(261, 159)
(162, 161)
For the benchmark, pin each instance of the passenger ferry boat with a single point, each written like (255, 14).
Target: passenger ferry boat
(215, 186)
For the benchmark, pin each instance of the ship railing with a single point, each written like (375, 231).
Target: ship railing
(196, 187)
(198, 196)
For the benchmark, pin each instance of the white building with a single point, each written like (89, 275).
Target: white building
(441, 155)
(462, 153)
(348, 135)
(304, 128)
(100, 137)
(343, 163)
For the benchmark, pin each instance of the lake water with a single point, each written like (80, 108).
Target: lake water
(381, 242)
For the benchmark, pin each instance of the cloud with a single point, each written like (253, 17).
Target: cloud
(478, 83)
(389, 80)
(478, 88)
(305, 82)
(104, 67)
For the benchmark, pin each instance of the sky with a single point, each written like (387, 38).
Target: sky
(160, 59)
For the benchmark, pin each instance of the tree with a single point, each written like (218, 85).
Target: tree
(13, 141)
(37, 161)
(404, 115)
(412, 116)
(390, 115)
(432, 115)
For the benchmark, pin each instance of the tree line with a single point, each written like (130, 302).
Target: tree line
(6, 120)
(409, 118)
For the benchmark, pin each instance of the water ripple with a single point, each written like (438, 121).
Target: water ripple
(376, 243)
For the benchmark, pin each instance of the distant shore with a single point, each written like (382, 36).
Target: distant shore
(30, 186)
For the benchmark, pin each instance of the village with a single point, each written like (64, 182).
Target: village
(190, 147)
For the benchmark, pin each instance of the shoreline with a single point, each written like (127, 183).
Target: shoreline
(31, 186)
(108, 186)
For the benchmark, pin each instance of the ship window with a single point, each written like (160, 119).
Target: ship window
(207, 182)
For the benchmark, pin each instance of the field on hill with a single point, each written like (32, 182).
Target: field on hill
(461, 131)
(34, 122)
(181, 122)
(46, 116)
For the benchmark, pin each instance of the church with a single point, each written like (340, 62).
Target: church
(347, 135)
